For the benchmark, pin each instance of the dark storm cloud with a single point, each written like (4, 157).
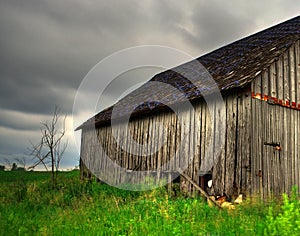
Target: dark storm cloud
(48, 46)
(35, 98)
(19, 121)
(222, 28)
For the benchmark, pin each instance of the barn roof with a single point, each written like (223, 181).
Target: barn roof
(232, 66)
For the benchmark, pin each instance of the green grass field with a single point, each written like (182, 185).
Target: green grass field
(29, 206)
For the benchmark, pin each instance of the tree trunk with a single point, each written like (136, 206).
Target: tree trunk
(52, 169)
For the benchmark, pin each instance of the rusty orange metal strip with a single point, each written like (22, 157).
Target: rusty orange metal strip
(276, 101)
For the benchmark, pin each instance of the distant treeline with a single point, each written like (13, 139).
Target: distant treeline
(14, 167)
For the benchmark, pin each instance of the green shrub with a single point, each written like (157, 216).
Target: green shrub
(287, 221)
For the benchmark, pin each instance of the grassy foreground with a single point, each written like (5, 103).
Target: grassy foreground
(28, 206)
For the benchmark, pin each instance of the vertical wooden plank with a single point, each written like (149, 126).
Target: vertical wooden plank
(169, 140)
(82, 166)
(297, 125)
(286, 76)
(100, 144)
(185, 138)
(292, 137)
(150, 142)
(142, 158)
(280, 128)
(270, 136)
(120, 151)
(195, 129)
(154, 141)
(257, 138)
(253, 147)
(274, 126)
(219, 169)
(212, 154)
(220, 138)
(117, 154)
(172, 143)
(259, 162)
(192, 149)
(166, 120)
(231, 143)
(178, 140)
(143, 142)
(243, 180)
(125, 146)
(164, 135)
(240, 143)
(266, 150)
(108, 137)
(131, 148)
(138, 125)
(95, 141)
(109, 152)
(295, 64)
(135, 140)
(147, 133)
(209, 139)
(280, 125)
(159, 137)
(265, 136)
(246, 158)
(292, 61)
(103, 138)
(286, 93)
(197, 145)
(291, 141)
(138, 128)
(112, 155)
(83, 152)
(203, 134)
(87, 156)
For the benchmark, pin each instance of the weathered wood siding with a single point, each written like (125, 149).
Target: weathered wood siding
(189, 135)
(231, 174)
(275, 172)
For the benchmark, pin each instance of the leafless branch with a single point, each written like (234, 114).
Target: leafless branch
(50, 149)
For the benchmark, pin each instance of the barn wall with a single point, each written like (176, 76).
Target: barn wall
(178, 135)
(275, 172)
(189, 135)
(231, 174)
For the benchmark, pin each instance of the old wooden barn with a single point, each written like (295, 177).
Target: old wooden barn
(259, 78)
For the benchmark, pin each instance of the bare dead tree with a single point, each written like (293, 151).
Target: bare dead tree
(49, 151)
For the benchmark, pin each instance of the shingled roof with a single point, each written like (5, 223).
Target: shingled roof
(232, 66)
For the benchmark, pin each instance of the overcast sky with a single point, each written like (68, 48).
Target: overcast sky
(48, 46)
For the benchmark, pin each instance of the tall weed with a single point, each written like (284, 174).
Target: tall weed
(287, 221)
